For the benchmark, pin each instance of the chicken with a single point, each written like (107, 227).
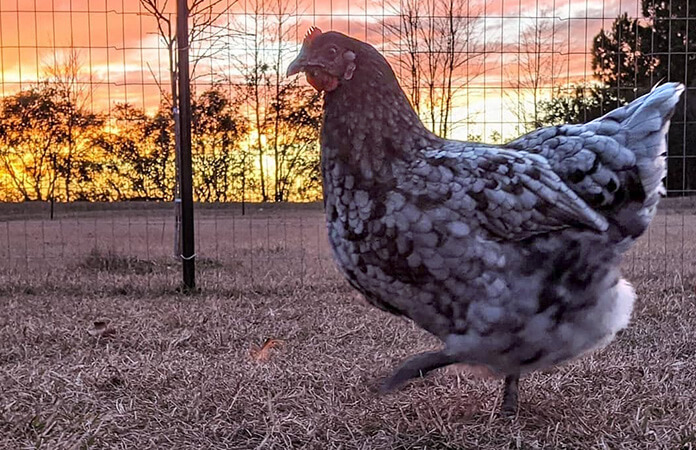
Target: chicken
(509, 254)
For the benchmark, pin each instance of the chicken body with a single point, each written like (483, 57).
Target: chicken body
(509, 254)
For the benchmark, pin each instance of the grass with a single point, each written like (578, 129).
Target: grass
(98, 349)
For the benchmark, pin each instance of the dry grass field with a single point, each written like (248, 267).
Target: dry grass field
(99, 349)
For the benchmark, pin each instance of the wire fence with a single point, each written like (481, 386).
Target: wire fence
(87, 92)
(287, 241)
(269, 242)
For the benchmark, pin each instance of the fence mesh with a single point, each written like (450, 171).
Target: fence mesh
(87, 153)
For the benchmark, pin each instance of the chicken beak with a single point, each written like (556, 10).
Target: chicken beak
(299, 64)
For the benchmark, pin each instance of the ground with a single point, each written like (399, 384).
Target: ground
(99, 349)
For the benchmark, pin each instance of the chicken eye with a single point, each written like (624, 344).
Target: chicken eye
(332, 51)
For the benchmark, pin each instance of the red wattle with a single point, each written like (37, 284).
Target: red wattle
(323, 81)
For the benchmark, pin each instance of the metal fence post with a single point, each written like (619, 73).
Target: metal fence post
(187, 236)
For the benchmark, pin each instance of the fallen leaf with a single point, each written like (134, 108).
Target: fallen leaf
(264, 353)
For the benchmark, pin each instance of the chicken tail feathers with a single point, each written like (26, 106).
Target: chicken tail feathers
(615, 163)
(645, 123)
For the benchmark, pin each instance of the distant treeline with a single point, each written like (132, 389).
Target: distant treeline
(52, 148)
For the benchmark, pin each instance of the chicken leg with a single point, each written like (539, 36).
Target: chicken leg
(510, 391)
(416, 366)
(420, 365)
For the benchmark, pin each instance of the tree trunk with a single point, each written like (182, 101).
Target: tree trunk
(177, 157)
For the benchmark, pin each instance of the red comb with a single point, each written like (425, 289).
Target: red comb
(312, 34)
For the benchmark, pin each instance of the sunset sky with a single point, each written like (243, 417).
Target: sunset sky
(123, 57)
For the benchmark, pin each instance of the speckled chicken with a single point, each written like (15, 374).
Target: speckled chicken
(508, 254)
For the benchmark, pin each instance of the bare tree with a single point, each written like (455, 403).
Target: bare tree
(281, 25)
(440, 53)
(539, 63)
(266, 45)
(285, 115)
(258, 78)
(207, 37)
(71, 97)
(408, 30)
